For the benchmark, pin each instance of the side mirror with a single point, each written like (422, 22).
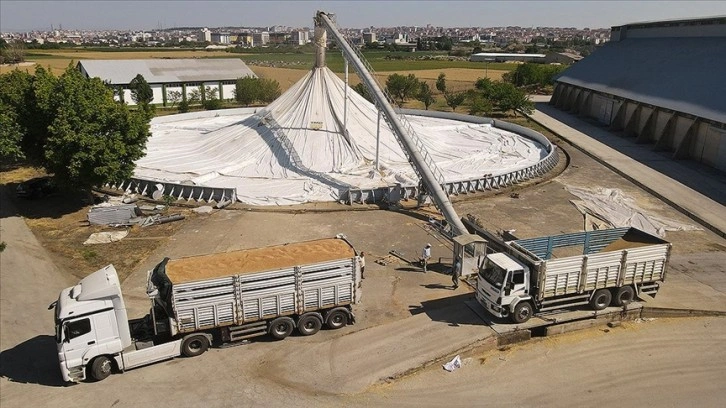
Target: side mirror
(507, 290)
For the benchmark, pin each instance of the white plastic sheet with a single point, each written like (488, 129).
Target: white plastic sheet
(312, 158)
(610, 207)
(453, 364)
(105, 237)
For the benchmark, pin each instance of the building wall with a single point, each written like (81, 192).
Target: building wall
(228, 91)
(684, 135)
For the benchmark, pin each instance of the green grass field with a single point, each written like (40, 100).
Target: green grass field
(380, 61)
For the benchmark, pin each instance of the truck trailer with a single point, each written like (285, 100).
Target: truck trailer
(206, 300)
(535, 275)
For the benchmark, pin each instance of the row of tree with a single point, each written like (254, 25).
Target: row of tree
(486, 96)
(71, 126)
(248, 90)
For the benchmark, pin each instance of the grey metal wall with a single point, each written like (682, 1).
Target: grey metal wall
(684, 135)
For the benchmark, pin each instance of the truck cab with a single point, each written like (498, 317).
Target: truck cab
(90, 321)
(503, 287)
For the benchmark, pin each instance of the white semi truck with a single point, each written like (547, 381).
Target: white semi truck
(542, 274)
(203, 300)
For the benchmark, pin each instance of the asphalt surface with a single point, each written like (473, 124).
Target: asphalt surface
(408, 323)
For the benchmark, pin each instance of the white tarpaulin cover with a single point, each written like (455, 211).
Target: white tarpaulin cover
(610, 207)
(311, 159)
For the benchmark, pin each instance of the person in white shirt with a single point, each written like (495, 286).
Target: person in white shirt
(362, 263)
(425, 256)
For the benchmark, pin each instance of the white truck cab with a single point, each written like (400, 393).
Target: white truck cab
(90, 321)
(503, 283)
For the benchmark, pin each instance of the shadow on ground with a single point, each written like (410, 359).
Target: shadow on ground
(53, 206)
(451, 310)
(33, 361)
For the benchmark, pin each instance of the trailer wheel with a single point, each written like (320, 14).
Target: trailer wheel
(336, 319)
(624, 296)
(601, 299)
(195, 345)
(281, 327)
(101, 368)
(522, 312)
(309, 324)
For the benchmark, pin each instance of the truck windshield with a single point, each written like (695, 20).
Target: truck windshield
(493, 274)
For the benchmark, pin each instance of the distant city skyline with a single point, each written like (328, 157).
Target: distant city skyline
(137, 15)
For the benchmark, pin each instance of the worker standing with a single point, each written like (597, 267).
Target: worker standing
(456, 273)
(425, 256)
(362, 263)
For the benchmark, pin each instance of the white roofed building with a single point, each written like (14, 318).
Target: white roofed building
(168, 76)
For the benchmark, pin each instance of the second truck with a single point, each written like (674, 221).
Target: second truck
(204, 300)
(595, 268)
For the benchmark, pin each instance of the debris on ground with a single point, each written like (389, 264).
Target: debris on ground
(106, 237)
(453, 364)
(514, 195)
(107, 214)
(205, 209)
(400, 256)
(159, 219)
(386, 260)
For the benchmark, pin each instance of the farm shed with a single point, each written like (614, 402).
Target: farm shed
(659, 82)
(169, 75)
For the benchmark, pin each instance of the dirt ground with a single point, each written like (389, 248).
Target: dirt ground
(408, 322)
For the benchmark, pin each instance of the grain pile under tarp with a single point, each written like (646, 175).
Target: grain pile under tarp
(311, 158)
(257, 260)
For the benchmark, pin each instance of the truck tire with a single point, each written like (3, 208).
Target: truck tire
(624, 296)
(336, 318)
(309, 324)
(601, 299)
(101, 368)
(195, 345)
(281, 327)
(522, 312)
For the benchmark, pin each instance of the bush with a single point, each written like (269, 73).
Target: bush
(213, 104)
(183, 107)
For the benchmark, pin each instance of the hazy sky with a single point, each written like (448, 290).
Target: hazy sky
(89, 14)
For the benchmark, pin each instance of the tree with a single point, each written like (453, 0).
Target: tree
(194, 97)
(508, 97)
(11, 135)
(441, 83)
(24, 96)
(480, 105)
(92, 140)
(363, 91)
(402, 87)
(12, 52)
(141, 91)
(269, 90)
(425, 95)
(72, 127)
(246, 90)
(211, 99)
(174, 97)
(454, 99)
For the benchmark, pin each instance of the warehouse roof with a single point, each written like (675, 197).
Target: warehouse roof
(156, 71)
(680, 74)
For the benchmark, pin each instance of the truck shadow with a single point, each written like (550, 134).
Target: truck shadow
(451, 310)
(33, 361)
